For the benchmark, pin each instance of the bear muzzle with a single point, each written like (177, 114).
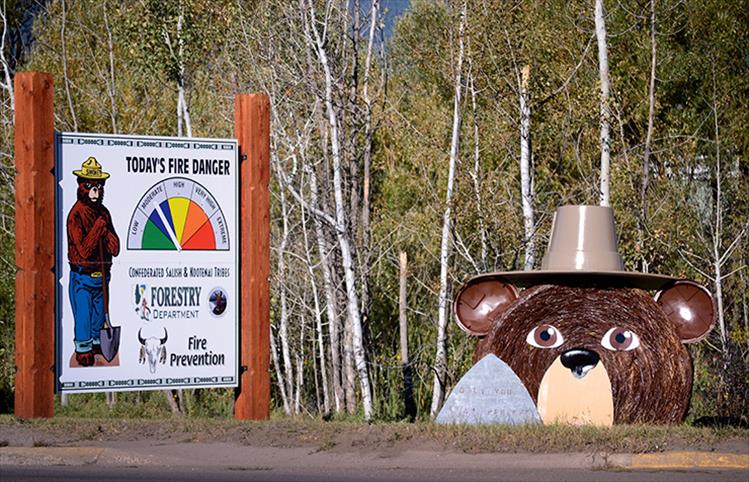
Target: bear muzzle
(576, 389)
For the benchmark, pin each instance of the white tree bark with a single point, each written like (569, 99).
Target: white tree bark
(183, 111)
(368, 141)
(318, 314)
(283, 324)
(279, 375)
(718, 230)
(331, 301)
(112, 83)
(65, 76)
(718, 255)
(66, 83)
(642, 225)
(349, 374)
(603, 71)
(344, 242)
(408, 394)
(440, 359)
(7, 82)
(526, 176)
(299, 356)
(476, 173)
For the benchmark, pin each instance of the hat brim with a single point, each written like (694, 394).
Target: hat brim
(627, 279)
(103, 175)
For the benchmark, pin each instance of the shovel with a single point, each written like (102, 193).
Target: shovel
(109, 335)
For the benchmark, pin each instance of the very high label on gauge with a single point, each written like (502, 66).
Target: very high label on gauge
(178, 214)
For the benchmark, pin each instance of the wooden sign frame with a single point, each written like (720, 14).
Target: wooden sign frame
(35, 250)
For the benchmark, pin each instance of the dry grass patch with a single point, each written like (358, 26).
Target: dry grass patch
(354, 436)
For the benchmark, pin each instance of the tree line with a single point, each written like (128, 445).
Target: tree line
(451, 140)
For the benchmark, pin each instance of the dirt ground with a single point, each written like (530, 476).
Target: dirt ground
(347, 437)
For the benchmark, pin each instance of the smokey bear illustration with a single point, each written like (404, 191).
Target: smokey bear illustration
(587, 341)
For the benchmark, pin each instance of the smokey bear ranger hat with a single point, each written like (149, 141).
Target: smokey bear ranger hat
(583, 249)
(91, 169)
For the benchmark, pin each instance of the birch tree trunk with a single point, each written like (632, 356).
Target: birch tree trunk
(112, 84)
(440, 359)
(721, 255)
(344, 242)
(648, 140)
(476, 173)
(318, 315)
(368, 140)
(279, 374)
(526, 181)
(718, 230)
(349, 123)
(66, 82)
(65, 77)
(7, 82)
(408, 389)
(331, 301)
(324, 245)
(349, 374)
(299, 356)
(603, 71)
(183, 112)
(283, 325)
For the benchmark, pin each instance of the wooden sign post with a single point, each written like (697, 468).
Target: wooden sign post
(35, 250)
(35, 245)
(252, 130)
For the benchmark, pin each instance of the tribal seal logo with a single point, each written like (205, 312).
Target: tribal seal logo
(217, 300)
(142, 307)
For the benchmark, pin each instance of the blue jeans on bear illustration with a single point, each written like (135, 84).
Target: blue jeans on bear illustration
(87, 300)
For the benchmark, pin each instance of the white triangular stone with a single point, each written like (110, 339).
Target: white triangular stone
(489, 394)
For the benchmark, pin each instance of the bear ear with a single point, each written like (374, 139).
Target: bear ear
(690, 308)
(481, 301)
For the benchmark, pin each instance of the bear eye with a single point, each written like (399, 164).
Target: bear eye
(544, 336)
(619, 339)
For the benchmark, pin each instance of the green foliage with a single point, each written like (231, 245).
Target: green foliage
(701, 106)
(173, 38)
(7, 325)
(198, 404)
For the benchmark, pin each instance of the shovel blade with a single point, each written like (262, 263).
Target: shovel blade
(110, 342)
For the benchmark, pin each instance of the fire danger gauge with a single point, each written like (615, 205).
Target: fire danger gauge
(178, 214)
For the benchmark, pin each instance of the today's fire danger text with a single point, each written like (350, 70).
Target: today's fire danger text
(177, 165)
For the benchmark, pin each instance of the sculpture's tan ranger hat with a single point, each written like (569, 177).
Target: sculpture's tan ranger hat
(583, 249)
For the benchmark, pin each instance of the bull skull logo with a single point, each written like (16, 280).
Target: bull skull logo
(153, 349)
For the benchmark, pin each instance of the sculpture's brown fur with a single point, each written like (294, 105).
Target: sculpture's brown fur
(651, 383)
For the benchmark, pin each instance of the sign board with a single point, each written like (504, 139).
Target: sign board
(147, 262)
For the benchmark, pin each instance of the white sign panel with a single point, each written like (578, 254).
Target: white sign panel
(147, 262)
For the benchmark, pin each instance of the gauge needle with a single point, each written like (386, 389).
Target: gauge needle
(168, 227)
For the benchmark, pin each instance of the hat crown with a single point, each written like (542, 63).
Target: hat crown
(583, 238)
(91, 169)
(91, 163)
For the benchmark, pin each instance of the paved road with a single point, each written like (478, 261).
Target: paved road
(190, 461)
(116, 474)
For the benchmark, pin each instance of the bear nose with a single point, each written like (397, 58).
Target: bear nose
(579, 361)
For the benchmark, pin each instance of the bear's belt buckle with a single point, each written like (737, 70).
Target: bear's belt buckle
(96, 274)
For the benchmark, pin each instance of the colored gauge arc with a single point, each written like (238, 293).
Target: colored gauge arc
(178, 214)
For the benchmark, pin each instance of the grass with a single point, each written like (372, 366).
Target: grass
(357, 436)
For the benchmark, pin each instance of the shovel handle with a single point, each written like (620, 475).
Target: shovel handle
(105, 291)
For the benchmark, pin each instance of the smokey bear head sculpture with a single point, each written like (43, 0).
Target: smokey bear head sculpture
(591, 354)
(587, 341)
